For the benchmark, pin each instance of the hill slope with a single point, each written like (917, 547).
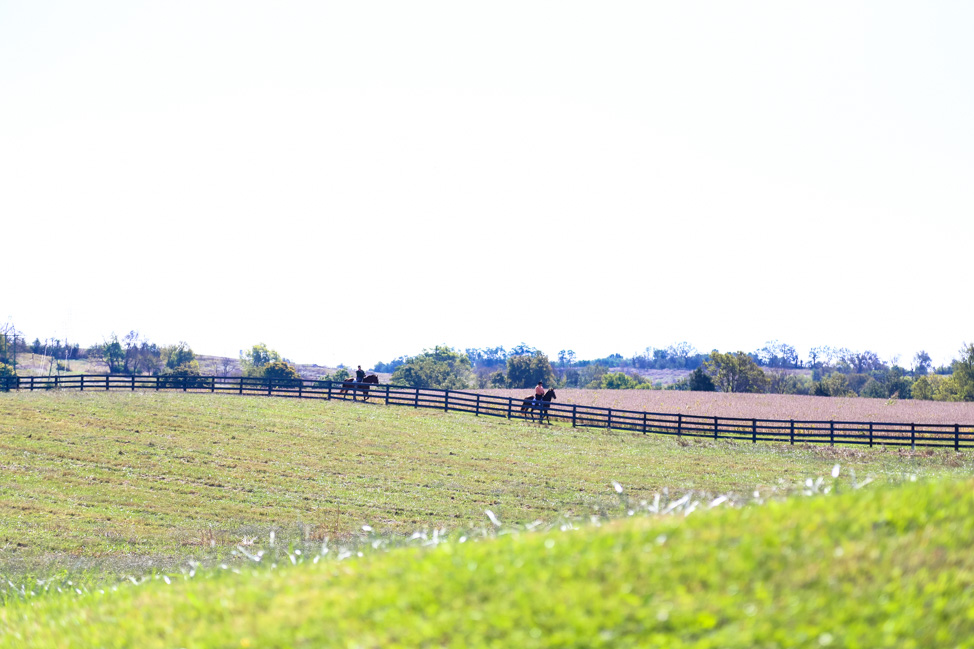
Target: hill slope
(884, 566)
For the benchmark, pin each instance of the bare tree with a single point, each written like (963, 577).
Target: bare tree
(922, 363)
(683, 350)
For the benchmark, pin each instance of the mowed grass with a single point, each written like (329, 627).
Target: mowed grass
(884, 566)
(129, 481)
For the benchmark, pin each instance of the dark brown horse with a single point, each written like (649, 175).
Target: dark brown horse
(355, 386)
(531, 404)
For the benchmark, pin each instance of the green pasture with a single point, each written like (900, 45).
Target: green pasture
(883, 566)
(126, 482)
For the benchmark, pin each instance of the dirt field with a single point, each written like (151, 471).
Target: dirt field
(766, 406)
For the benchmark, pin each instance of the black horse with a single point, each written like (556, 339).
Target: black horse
(531, 404)
(355, 386)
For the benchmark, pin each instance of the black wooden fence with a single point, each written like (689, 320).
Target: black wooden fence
(792, 431)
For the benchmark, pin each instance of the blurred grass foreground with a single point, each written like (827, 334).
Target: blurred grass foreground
(880, 566)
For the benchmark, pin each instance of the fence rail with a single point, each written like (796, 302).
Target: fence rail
(956, 436)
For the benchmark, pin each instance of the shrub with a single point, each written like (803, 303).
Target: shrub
(6, 382)
(186, 375)
(281, 374)
(618, 381)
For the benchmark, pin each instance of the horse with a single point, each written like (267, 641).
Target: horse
(531, 404)
(355, 386)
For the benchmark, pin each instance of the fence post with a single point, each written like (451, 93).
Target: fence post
(133, 383)
(793, 432)
(157, 383)
(644, 423)
(212, 384)
(715, 428)
(82, 382)
(416, 400)
(574, 410)
(106, 382)
(386, 386)
(300, 389)
(913, 436)
(510, 406)
(831, 432)
(270, 382)
(32, 383)
(446, 401)
(870, 434)
(957, 437)
(754, 431)
(608, 423)
(185, 382)
(679, 424)
(477, 407)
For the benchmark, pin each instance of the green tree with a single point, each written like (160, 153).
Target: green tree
(699, 381)
(526, 370)
(256, 358)
(114, 355)
(736, 372)
(443, 368)
(873, 389)
(833, 385)
(963, 375)
(175, 356)
(180, 367)
(923, 388)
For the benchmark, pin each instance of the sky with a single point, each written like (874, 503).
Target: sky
(351, 182)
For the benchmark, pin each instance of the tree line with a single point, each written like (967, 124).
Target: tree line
(133, 354)
(774, 368)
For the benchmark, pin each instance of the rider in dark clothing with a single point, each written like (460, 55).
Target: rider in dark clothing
(359, 374)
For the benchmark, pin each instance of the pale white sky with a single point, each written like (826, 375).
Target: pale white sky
(350, 182)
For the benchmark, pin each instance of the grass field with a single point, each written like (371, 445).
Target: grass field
(97, 486)
(139, 477)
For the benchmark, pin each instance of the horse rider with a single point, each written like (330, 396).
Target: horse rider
(359, 375)
(539, 391)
